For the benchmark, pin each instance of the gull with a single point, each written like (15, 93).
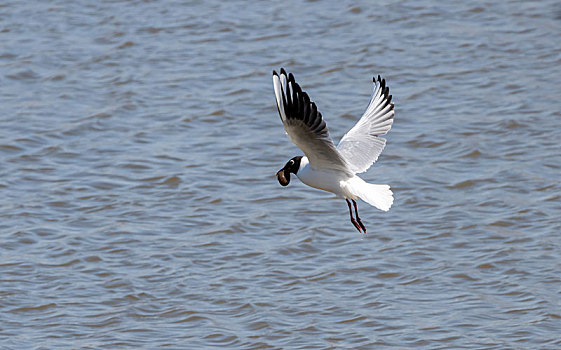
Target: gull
(325, 166)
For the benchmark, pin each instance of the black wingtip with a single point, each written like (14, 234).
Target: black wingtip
(275, 73)
(282, 71)
(385, 90)
(291, 78)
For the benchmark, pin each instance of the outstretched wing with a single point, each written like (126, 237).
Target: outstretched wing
(362, 145)
(304, 124)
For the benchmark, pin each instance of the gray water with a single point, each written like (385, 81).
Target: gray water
(138, 207)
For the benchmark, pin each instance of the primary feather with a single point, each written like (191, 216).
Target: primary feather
(362, 145)
(305, 126)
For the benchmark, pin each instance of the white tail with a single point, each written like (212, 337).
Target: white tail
(379, 196)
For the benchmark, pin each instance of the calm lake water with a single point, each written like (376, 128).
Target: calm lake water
(138, 207)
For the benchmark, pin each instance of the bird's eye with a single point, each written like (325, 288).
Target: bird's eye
(291, 162)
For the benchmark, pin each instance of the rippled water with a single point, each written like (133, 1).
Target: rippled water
(138, 207)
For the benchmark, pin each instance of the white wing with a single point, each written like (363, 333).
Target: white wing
(362, 145)
(304, 124)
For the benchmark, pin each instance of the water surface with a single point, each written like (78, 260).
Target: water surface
(138, 208)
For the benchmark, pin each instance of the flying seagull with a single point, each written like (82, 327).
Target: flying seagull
(325, 166)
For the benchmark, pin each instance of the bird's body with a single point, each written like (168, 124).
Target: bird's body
(343, 185)
(328, 180)
(324, 166)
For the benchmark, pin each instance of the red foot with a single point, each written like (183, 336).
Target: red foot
(358, 227)
(361, 225)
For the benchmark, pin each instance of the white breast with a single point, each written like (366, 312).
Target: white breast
(327, 180)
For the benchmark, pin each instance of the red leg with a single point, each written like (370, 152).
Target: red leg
(357, 218)
(358, 227)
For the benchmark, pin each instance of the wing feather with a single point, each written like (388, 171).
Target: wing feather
(304, 124)
(362, 145)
